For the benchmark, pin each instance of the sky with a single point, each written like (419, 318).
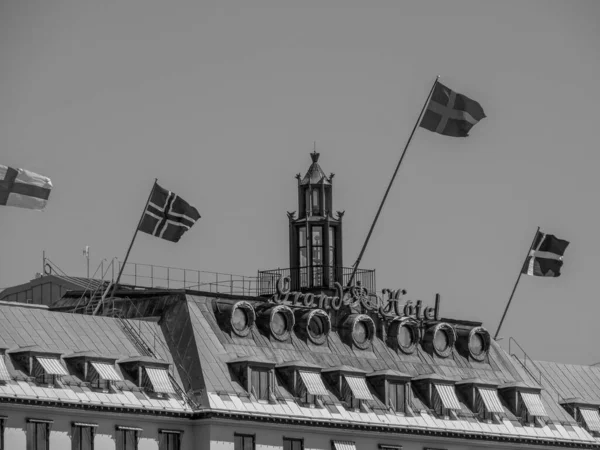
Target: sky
(222, 101)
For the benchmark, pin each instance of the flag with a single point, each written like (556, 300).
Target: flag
(546, 256)
(167, 215)
(24, 189)
(450, 113)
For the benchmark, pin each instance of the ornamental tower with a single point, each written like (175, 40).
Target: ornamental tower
(315, 235)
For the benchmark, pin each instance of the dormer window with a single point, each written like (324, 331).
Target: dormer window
(44, 365)
(438, 392)
(304, 381)
(482, 396)
(255, 375)
(350, 384)
(4, 375)
(585, 413)
(97, 370)
(150, 374)
(393, 388)
(525, 402)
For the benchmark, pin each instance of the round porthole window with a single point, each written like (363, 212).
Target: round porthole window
(279, 324)
(479, 343)
(313, 324)
(276, 321)
(441, 338)
(241, 318)
(403, 335)
(361, 329)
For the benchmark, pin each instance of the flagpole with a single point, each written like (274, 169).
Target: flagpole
(114, 289)
(516, 283)
(362, 251)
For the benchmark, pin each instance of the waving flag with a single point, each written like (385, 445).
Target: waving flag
(546, 256)
(24, 189)
(167, 215)
(450, 113)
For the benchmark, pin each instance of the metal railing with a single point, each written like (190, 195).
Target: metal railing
(532, 368)
(152, 276)
(310, 277)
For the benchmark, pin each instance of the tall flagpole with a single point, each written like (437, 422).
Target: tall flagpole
(516, 284)
(362, 251)
(114, 289)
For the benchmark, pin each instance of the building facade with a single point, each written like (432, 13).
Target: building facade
(315, 359)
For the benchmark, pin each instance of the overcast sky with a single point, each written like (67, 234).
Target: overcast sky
(222, 100)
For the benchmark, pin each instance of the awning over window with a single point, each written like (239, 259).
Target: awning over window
(4, 375)
(313, 382)
(106, 371)
(448, 396)
(160, 380)
(359, 388)
(591, 418)
(491, 400)
(51, 366)
(533, 403)
(343, 445)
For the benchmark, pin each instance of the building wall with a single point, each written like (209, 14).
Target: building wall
(60, 435)
(270, 437)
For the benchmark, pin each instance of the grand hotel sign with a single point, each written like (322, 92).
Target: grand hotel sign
(388, 304)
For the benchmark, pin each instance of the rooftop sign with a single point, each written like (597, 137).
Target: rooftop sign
(388, 304)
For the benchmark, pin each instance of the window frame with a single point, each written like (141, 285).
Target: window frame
(79, 426)
(257, 391)
(243, 436)
(2, 426)
(164, 432)
(398, 386)
(38, 422)
(292, 440)
(124, 429)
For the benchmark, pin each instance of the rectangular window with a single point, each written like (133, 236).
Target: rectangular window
(260, 383)
(169, 439)
(397, 397)
(2, 420)
(243, 442)
(38, 434)
(83, 436)
(293, 444)
(128, 438)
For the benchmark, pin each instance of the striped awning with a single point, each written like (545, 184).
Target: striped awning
(359, 388)
(4, 375)
(448, 396)
(591, 418)
(106, 371)
(533, 403)
(343, 445)
(313, 382)
(160, 380)
(51, 366)
(491, 400)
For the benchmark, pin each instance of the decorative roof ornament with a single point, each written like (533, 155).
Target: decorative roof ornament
(315, 174)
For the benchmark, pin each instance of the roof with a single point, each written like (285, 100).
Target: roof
(570, 380)
(315, 174)
(50, 331)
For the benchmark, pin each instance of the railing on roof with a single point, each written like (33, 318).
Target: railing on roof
(312, 277)
(153, 276)
(531, 368)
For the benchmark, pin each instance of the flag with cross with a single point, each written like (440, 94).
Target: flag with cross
(450, 113)
(23, 189)
(167, 215)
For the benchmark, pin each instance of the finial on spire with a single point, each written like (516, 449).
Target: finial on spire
(314, 155)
